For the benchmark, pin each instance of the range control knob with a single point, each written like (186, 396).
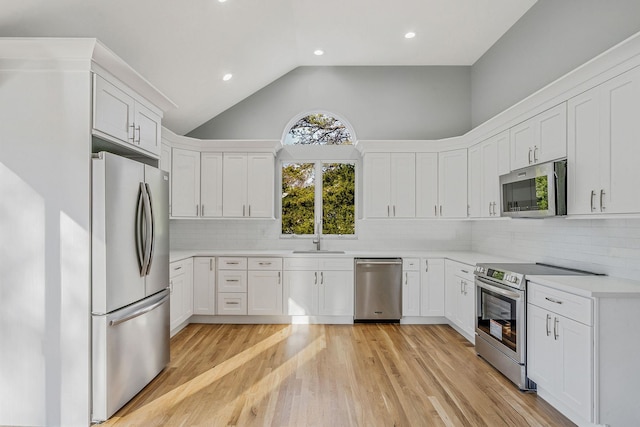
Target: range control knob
(514, 279)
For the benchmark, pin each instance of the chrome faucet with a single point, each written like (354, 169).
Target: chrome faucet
(316, 239)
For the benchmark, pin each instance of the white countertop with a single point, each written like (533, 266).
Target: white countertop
(466, 257)
(591, 286)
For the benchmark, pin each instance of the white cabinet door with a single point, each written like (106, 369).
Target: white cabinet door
(451, 294)
(165, 158)
(185, 183)
(411, 293)
(490, 180)
(540, 139)
(113, 110)
(432, 287)
(377, 185)
(181, 289)
(467, 307)
(147, 129)
(452, 184)
(234, 193)
(301, 292)
(583, 156)
(260, 185)
(426, 185)
(204, 285)
(541, 363)
(187, 296)
(335, 295)
(620, 144)
(574, 376)
(264, 292)
(403, 185)
(475, 175)
(210, 185)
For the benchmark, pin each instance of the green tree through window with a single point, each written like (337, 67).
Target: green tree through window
(318, 197)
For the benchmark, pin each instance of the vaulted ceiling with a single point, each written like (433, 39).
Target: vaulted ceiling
(185, 48)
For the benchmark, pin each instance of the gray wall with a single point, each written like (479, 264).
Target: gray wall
(379, 102)
(551, 39)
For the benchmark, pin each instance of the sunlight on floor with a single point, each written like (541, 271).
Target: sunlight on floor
(253, 394)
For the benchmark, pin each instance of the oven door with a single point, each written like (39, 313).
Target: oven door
(500, 318)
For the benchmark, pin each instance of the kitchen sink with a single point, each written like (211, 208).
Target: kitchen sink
(321, 251)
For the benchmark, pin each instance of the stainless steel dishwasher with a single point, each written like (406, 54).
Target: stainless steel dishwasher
(378, 289)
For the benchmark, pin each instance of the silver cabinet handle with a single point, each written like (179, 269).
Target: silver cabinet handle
(490, 203)
(315, 282)
(210, 264)
(232, 280)
(322, 278)
(406, 277)
(177, 268)
(249, 210)
(279, 277)
(593, 194)
(555, 328)
(264, 263)
(232, 303)
(232, 263)
(461, 284)
(530, 155)
(202, 210)
(440, 210)
(602, 207)
(535, 154)
(426, 266)
(494, 208)
(547, 324)
(394, 210)
(465, 271)
(197, 210)
(555, 301)
(133, 132)
(435, 210)
(388, 211)
(137, 128)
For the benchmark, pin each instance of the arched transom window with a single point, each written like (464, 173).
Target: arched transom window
(318, 129)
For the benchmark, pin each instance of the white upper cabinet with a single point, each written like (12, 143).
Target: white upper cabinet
(486, 163)
(540, 139)
(122, 116)
(185, 183)
(248, 185)
(210, 185)
(427, 185)
(452, 184)
(603, 148)
(390, 182)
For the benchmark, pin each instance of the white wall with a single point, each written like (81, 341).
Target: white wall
(372, 235)
(44, 248)
(610, 246)
(379, 102)
(551, 39)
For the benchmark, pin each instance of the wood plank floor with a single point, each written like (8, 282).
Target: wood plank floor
(330, 375)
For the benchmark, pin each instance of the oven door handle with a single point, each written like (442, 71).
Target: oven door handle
(497, 290)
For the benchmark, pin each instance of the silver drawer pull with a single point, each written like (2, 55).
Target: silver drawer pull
(264, 263)
(232, 262)
(232, 280)
(177, 268)
(232, 303)
(465, 271)
(555, 301)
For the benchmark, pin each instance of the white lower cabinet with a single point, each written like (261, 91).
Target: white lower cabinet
(204, 285)
(232, 303)
(560, 347)
(318, 287)
(411, 287)
(460, 297)
(181, 288)
(432, 287)
(264, 286)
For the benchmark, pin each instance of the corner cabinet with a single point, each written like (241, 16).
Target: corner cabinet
(389, 187)
(487, 161)
(452, 184)
(603, 148)
(248, 185)
(121, 116)
(540, 139)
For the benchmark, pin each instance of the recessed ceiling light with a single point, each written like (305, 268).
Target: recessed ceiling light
(410, 35)
(222, 1)
(227, 77)
(318, 52)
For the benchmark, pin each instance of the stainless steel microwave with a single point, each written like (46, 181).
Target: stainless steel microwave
(536, 191)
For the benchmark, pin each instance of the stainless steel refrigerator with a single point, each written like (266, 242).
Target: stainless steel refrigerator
(130, 279)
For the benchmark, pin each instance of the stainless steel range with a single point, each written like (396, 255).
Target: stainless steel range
(501, 313)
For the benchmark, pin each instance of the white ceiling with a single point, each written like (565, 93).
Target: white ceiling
(184, 47)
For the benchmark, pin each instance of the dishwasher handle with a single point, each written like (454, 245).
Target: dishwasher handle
(362, 262)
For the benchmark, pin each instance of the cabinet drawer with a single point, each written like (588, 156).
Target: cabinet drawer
(177, 268)
(563, 303)
(301, 264)
(410, 264)
(232, 281)
(272, 264)
(232, 303)
(345, 264)
(464, 271)
(232, 263)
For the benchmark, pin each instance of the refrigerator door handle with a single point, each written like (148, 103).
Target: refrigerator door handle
(140, 312)
(151, 230)
(138, 230)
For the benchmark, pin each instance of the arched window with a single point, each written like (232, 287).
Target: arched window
(318, 186)
(318, 129)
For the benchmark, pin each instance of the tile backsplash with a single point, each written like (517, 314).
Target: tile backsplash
(610, 246)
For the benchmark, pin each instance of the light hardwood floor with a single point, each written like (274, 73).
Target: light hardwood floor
(330, 375)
